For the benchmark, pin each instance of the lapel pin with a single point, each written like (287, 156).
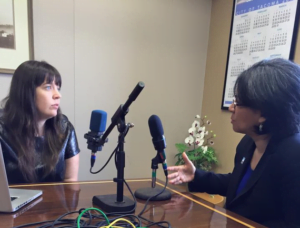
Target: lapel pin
(242, 162)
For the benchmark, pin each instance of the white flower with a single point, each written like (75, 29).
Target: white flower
(189, 140)
(208, 122)
(192, 131)
(201, 129)
(211, 142)
(204, 149)
(197, 117)
(196, 123)
(199, 141)
(200, 135)
(206, 133)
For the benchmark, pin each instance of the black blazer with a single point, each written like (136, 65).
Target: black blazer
(272, 194)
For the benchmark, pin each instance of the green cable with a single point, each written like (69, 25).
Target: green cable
(88, 209)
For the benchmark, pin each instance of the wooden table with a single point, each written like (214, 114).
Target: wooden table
(183, 210)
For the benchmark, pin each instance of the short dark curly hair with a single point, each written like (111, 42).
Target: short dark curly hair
(273, 87)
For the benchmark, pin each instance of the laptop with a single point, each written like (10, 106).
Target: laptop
(12, 199)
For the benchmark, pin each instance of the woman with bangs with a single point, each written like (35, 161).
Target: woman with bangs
(39, 143)
(264, 185)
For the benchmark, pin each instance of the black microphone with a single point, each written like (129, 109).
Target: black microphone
(159, 142)
(97, 128)
(118, 202)
(158, 139)
(123, 110)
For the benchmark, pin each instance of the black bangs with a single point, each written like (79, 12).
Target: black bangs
(49, 78)
(47, 73)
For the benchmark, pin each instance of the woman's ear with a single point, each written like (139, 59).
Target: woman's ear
(261, 120)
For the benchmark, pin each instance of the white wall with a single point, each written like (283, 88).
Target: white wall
(103, 48)
(53, 27)
(5, 80)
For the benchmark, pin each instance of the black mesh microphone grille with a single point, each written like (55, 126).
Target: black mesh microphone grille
(155, 126)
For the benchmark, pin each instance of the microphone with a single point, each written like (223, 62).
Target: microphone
(117, 202)
(158, 139)
(123, 110)
(159, 142)
(97, 128)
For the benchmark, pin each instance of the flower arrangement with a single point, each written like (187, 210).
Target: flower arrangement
(198, 145)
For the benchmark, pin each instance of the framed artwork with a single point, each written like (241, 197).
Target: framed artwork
(16, 35)
(260, 29)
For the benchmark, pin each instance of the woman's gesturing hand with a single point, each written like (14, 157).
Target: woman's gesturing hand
(183, 173)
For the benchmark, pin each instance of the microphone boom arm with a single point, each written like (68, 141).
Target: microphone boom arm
(122, 111)
(119, 202)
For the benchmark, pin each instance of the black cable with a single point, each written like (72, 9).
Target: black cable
(146, 204)
(58, 221)
(60, 217)
(153, 197)
(43, 226)
(149, 221)
(156, 223)
(105, 163)
(126, 131)
(72, 223)
(99, 216)
(90, 216)
(33, 224)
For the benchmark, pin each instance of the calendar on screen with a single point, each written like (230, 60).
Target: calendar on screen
(261, 29)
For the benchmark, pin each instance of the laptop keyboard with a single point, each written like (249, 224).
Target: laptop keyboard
(13, 198)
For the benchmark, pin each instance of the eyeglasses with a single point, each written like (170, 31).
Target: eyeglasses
(235, 103)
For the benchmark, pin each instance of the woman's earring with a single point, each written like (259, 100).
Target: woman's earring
(260, 128)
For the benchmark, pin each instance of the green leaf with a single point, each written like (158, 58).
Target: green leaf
(181, 147)
(199, 149)
(178, 155)
(177, 163)
(201, 160)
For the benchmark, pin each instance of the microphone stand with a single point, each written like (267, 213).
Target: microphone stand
(146, 193)
(118, 203)
(154, 167)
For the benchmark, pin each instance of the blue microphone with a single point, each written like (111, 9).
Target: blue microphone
(97, 129)
(98, 121)
(159, 142)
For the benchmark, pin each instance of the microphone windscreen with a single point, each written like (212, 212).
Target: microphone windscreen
(155, 126)
(98, 121)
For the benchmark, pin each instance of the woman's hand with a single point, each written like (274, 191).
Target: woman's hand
(183, 173)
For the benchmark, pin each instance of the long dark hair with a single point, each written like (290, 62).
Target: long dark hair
(20, 117)
(273, 87)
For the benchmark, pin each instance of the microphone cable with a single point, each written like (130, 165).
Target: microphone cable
(146, 204)
(85, 213)
(114, 152)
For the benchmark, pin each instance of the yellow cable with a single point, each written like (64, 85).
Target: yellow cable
(112, 227)
(117, 220)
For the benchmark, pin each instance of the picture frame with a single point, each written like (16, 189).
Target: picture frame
(16, 34)
(260, 29)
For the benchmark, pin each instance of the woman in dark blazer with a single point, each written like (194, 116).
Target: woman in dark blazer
(264, 185)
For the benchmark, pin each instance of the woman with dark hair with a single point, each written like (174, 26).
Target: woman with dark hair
(39, 143)
(264, 185)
